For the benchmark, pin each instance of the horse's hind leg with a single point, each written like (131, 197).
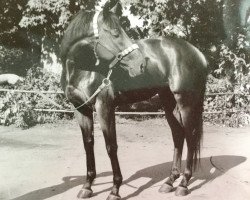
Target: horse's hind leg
(190, 109)
(173, 119)
(106, 115)
(85, 120)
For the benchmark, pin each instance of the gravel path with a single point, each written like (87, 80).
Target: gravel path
(48, 162)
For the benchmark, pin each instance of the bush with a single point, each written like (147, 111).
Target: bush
(233, 77)
(18, 108)
(231, 109)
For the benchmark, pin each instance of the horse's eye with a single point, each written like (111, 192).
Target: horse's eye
(115, 32)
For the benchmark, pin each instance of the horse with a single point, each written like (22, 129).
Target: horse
(97, 55)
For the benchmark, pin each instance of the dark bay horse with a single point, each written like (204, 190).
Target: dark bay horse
(171, 68)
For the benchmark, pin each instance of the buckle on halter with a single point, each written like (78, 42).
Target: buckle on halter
(106, 82)
(119, 56)
(117, 59)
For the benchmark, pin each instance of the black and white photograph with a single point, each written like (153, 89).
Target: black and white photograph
(125, 99)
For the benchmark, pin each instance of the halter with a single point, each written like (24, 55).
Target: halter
(119, 56)
(106, 81)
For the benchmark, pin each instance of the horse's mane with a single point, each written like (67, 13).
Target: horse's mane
(78, 28)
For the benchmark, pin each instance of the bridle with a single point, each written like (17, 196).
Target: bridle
(114, 63)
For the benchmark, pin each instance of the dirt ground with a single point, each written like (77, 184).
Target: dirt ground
(48, 162)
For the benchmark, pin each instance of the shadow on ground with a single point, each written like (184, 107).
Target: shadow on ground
(157, 173)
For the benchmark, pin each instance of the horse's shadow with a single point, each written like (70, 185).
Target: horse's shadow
(155, 173)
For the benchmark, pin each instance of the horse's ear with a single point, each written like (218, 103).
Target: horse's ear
(113, 6)
(117, 9)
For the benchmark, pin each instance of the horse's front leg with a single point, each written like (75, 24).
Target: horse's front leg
(85, 120)
(106, 115)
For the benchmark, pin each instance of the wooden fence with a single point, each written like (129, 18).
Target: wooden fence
(43, 93)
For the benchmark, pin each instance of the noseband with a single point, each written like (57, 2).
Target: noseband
(119, 56)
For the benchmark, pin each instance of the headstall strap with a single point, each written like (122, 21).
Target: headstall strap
(95, 24)
(122, 54)
(96, 34)
(129, 50)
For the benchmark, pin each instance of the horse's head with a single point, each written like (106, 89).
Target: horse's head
(112, 41)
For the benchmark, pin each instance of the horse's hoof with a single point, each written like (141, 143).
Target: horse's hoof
(85, 193)
(113, 197)
(166, 188)
(181, 191)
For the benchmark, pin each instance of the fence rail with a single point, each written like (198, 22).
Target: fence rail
(61, 92)
(43, 93)
(137, 113)
(30, 91)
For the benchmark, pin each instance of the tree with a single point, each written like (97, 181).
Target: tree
(32, 29)
(15, 48)
(45, 20)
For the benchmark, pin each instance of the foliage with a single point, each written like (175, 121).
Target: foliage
(36, 26)
(46, 20)
(18, 108)
(235, 65)
(14, 60)
(10, 16)
(18, 53)
(187, 19)
(231, 109)
(31, 29)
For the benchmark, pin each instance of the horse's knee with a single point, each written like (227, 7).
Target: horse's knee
(112, 149)
(88, 141)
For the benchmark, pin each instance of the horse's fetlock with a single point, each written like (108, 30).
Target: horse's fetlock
(175, 173)
(118, 179)
(91, 175)
(188, 175)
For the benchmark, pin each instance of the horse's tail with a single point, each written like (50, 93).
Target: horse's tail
(198, 131)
